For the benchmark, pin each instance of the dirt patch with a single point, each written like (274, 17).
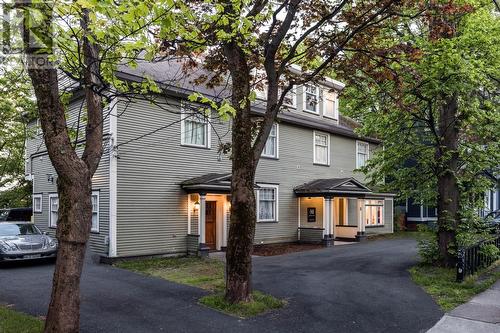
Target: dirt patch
(278, 249)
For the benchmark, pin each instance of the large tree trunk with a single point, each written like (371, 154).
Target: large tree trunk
(448, 190)
(73, 229)
(74, 183)
(243, 214)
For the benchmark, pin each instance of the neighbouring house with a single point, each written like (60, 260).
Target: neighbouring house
(417, 213)
(163, 184)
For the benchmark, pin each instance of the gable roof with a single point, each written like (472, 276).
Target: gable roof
(332, 186)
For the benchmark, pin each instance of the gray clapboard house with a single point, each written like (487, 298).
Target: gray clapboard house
(162, 186)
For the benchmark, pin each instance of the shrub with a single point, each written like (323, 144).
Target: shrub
(490, 251)
(428, 249)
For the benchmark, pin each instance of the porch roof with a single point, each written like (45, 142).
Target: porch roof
(209, 183)
(346, 187)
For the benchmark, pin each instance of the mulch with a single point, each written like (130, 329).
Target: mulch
(278, 249)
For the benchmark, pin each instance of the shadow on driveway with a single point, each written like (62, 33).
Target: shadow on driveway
(358, 288)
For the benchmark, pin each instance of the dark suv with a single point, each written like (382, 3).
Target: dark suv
(16, 214)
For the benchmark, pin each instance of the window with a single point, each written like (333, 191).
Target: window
(374, 212)
(267, 203)
(321, 148)
(290, 97)
(53, 210)
(271, 147)
(311, 98)
(38, 127)
(95, 211)
(194, 130)
(37, 203)
(362, 153)
(330, 105)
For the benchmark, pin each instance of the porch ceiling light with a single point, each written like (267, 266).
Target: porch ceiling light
(196, 205)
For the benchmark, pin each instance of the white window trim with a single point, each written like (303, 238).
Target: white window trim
(358, 142)
(304, 97)
(277, 155)
(276, 206)
(35, 197)
(96, 193)
(314, 148)
(208, 131)
(38, 125)
(53, 224)
(382, 212)
(294, 100)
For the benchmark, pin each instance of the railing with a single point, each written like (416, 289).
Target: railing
(471, 259)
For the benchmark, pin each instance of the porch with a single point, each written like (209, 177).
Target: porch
(208, 207)
(328, 209)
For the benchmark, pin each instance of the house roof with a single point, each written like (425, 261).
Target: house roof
(333, 187)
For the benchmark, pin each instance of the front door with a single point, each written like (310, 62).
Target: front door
(210, 224)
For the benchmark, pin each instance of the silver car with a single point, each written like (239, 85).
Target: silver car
(23, 240)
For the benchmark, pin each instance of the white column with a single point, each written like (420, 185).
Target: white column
(361, 217)
(202, 214)
(298, 218)
(328, 215)
(189, 208)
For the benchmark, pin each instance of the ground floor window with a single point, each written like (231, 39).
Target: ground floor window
(95, 211)
(37, 203)
(267, 203)
(53, 210)
(374, 212)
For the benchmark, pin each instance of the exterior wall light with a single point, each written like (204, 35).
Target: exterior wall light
(196, 205)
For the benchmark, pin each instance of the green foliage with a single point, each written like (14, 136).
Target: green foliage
(490, 251)
(397, 87)
(441, 284)
(427, 245)
(16, 322)
(260, 303)
(17, 106)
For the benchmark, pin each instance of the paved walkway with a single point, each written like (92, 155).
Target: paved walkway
(480, 314)
(358, 288)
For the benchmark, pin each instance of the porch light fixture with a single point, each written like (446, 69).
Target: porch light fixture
(196, 205)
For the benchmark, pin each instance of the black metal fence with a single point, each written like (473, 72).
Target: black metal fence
(471, 259)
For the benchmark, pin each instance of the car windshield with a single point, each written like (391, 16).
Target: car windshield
(10, 229)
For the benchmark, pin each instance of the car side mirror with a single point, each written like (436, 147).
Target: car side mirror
(44, 233)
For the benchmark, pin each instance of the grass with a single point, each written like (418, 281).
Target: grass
(261, 303)
(203, 273)
(206, 274)
(441, 285)
(16, 322)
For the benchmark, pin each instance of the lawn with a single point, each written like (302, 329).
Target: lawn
(16, 322)
(206, 274)
(203, 273)
(441, 285)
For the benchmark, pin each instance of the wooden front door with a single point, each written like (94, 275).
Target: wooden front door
(210, 224)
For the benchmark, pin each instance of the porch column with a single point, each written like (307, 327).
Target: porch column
(360, 236)
(327, 223)
(202, 214)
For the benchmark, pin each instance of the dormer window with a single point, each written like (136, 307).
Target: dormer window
(330, 105)
(311, 98)
(290, 97)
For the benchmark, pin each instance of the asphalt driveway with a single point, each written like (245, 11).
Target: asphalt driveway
(350, 288)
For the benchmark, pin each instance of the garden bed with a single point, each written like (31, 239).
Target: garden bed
(283, 248)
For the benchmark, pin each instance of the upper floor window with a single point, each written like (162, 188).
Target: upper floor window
(95, 211)
(362, 153)
(267, 203)
(311, 98)
(330, 105)
(290, 98)
(271, 147)
(53, 210)
(37, 203)
(194, 129)
(321, 148)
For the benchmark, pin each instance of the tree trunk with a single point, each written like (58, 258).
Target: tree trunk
(73, 230)
(448, 191)
(243, 215)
